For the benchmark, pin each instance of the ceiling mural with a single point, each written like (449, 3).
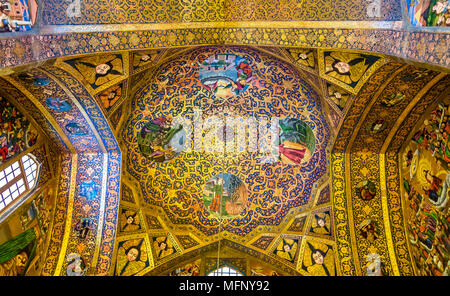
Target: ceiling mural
(230, 168)
(227, 154)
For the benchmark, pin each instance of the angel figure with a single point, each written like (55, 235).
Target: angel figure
(346, 67)
(318, 259)
(129, 221)
(99, 69)
(131, 257)
(143, 58)
(163, 247)
(338, 96)
(287, 249)
(321, 223)
(303, 56)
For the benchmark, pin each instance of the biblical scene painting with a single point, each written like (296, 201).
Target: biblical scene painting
(190, 269)
(17, 15)
(225, 195)
(426, 181)
(296, 141)
(366, 190)
(225, 75)
(258, 269)
(16, 132)
(161, 139)
(23, 236)
(429, 13)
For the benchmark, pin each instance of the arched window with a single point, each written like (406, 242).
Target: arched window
(225, 271)
(18, 179)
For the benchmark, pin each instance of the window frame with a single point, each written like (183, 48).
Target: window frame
(9, 185)
(219, 271)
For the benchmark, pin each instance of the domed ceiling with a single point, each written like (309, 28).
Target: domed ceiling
(251, 157)
(226, 140)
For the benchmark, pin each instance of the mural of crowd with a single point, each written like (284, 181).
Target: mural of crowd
(426, 181)
(16, 132)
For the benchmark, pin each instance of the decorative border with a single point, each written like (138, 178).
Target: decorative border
(422, 47)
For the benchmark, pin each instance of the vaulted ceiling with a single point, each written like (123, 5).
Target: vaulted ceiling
(117, 79)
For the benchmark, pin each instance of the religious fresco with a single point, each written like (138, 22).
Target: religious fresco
(24, 235)
(189, 269)
(17, 253)
(133, 256)
(426, 181)
(176, 101)
(428, 13)
(112, 97)
(357, 152)
(141, 60)
(163, 247)
(318, 259)
(161, 139)
(130, 220)
(225, 195)
(17, 15)
(287, 248)
(76, 265)
(321, 223)
(338, 96)
(76, 130)
(296, 141)
(305, 57)
(349, 70)
(99, 71)
(17, 133)
(370, 230)
(258, 269)
(225, 75)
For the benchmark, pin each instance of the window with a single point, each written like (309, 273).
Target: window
(225, 271)
(18, 179)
